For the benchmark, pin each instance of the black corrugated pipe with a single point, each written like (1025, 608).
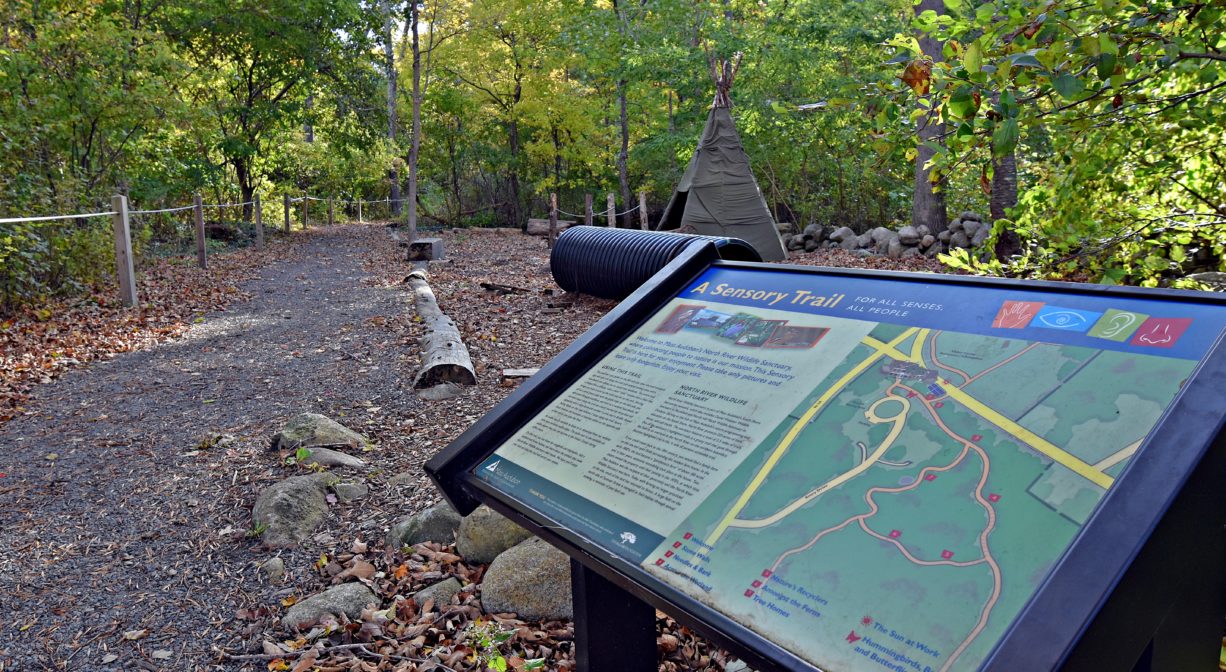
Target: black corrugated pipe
(612, 263)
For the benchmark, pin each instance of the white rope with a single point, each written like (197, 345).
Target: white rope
(13, 220)
(157, 212)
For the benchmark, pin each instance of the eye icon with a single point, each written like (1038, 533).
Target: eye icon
(1063, 319)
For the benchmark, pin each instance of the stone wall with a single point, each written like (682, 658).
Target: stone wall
(967, 230)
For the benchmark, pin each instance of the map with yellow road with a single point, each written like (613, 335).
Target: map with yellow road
(901, 514)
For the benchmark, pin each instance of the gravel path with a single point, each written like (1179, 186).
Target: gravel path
(124, 541)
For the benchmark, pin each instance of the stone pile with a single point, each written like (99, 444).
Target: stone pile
(968, 230)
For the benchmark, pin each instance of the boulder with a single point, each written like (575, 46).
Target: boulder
(971, 227)
(981, 235)
(933, 251)
(880, 234)
(287, 512)
(796, 242)
(864, 240)
(842, 233)
(923, 230)
(970, 216)
(849, 243)
(440, 592)
(955, 225)
(348, 598)
(909, 236)
(927, 241)
(910, 253)
(811, 245)
(484, 533)
(326, 457)
(531, 580)
(350, 492)
(816, 231)
(959, 239)
(274, 570)
(894, 248)
(944, 236)
(438, 523)
(313, 429)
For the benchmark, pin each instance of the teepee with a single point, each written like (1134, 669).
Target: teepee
(718, 195)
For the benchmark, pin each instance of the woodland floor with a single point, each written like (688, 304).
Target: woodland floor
(125, 529)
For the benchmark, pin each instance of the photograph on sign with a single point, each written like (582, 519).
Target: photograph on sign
(873, 474)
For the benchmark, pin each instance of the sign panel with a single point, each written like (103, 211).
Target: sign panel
(875, 474)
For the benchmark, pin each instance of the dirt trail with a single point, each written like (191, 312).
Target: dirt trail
(112, 523)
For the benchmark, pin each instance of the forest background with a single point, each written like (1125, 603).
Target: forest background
(1092, 132)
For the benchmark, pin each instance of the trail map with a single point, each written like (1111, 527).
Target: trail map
(872, 480)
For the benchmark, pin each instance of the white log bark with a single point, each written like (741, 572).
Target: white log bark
(444, 358)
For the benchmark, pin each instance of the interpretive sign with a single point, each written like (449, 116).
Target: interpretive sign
(869, 471)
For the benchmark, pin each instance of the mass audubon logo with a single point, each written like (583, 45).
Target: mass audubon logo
(493, 466)
(629, 538)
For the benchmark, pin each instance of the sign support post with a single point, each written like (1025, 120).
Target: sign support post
(614, 630)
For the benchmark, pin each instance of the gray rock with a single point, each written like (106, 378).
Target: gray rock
(848, 243)
(959, 239)
(483, 534)
(274, 570)
(934, 250)
(531, 580)
(909, 236)
(326, 457)
(944, 236)
(437, 523)
(910, 253)
(402, 479)
(927, 241)
(313, 429)
(290, 510)
(923, 230)
(810, 245)
(815, 231)
(348, 598)
(796, 242)
(981, 235)
(350, 492)
(955, 225)
(441, 592)
(862, 253)
(842, 233)
(894, 248)
(971, 228)
(864, 240)
(1216, 280)
(971, 216)
(737, 666)
(880, 234)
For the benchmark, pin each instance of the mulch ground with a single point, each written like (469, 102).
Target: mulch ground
(127, 524)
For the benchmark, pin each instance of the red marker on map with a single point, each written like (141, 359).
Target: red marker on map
(659, 561)
(756, 583)
(910, 393)
(677, 544)
(668, 554)
(930, 397)
(947, 554)
(688, 536)
(748, 593)
(938, 404)
(867, 620)
(766, 573)
(894, 534)
(930, 477)
(852, 637)
(977, 437)
(993, 498)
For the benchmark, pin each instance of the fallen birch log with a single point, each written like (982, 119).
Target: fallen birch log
(444, 359)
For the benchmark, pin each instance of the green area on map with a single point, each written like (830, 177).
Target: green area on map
(904, 512)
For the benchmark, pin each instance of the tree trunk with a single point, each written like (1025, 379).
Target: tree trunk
(623, 157)
(415, 140)
(389, 71)
(1004, 196)
(246, 187)
(444, 358)
(928, 208)
(516, 220)
(308, 129)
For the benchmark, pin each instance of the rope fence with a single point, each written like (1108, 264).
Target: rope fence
(178, 235)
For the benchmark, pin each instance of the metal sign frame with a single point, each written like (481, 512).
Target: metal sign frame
(1140, 587)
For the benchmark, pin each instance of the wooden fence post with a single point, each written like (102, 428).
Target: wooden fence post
(612, 211)
(587, 209)
(201, 250)
(259, 222)
(359, 211)
(331, 221)
(643, 210)
(553, 219)
(285, 201)
(305, 200)
(123, 251)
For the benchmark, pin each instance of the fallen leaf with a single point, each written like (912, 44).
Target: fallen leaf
(133, 635)
(161, 654)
